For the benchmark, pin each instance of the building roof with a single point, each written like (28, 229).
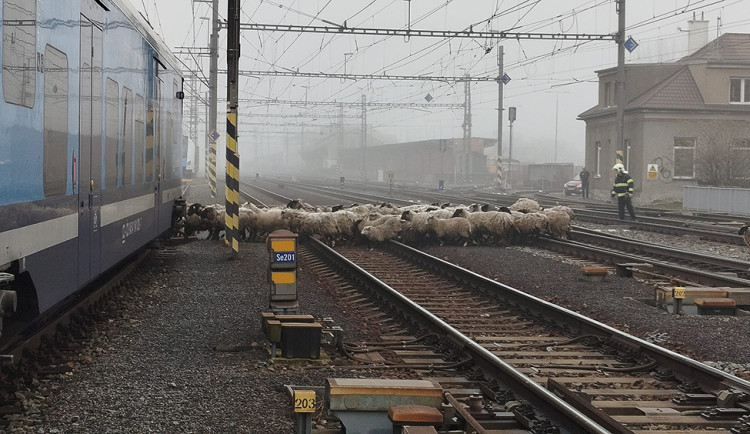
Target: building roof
(679, 91)
(727, 48)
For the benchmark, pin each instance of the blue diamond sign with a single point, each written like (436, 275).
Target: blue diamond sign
(505, 78)
(630, 44)
(214, 135)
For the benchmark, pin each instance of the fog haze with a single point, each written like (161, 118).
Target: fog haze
(551, 81)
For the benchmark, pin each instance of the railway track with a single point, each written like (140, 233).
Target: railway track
(580, 374)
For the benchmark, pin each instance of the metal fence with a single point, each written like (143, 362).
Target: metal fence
(716, 199)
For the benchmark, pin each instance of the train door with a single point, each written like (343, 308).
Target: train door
(158, 139)
(90, 151)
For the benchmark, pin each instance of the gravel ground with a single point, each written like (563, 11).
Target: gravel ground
(155, 367)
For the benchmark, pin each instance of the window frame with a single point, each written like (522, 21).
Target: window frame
(128, 139)
(744, 90)
(681, 147)
(112, 155)
(598, 146)
(55, 123)
(741, 145)
(30, 61)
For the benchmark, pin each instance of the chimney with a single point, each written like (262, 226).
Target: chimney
(697, 34)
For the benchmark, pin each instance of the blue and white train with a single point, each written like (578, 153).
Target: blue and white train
(90, 162)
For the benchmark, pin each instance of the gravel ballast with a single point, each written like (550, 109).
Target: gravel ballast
(161, 363)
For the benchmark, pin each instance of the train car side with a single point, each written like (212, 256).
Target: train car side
(89, 159)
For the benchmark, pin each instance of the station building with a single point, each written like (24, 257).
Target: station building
(685, 122)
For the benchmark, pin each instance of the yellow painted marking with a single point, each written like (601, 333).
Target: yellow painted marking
(678, 292)
(282, 245)
(304, 401)
(283, 277)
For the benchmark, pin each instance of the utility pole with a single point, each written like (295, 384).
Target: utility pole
(499, 162)
(620, 85)
(467, 129)
(340, 159)
(232, 188)
(213, 78)
(364, 138)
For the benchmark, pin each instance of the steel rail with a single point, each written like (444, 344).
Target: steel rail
(617, 257)
(709, 376)
(627, 244)
(550, 404)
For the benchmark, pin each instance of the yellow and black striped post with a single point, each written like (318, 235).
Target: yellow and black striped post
(212, 167)
(232, 188)
(233, 157)
(620, 157)
(499, 173)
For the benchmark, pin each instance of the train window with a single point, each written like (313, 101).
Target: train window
(140, 137)
(55, 122)
(150, 142)
(126, 156)
(111, 124)
(20, 62)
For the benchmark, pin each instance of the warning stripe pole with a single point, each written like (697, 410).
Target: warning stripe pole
(499, 173)
(232, 188)
(232, 183)
(620, 156)
(212, 167)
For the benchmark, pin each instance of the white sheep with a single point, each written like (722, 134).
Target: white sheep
(558, 223)
(526, 205)
(530, 224)
(456, 229)
(381, 233)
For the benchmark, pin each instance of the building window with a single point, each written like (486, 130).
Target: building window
(20, 62)
(739, 90)
(684, 157)
(598, 158)
(627, 154)
(111, 125)
(608, 94)
(740, 165)
(55, 122)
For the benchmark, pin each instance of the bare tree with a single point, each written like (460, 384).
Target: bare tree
(723, 152)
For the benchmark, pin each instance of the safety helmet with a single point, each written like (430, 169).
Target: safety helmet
(618, 167)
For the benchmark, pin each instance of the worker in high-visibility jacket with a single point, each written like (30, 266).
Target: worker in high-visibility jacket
(622, 189)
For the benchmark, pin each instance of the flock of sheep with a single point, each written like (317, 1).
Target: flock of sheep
(414, 224)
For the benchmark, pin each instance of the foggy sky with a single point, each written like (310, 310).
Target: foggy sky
(551, 81)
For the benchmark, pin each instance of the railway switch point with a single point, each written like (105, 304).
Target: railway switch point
(595, 274)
